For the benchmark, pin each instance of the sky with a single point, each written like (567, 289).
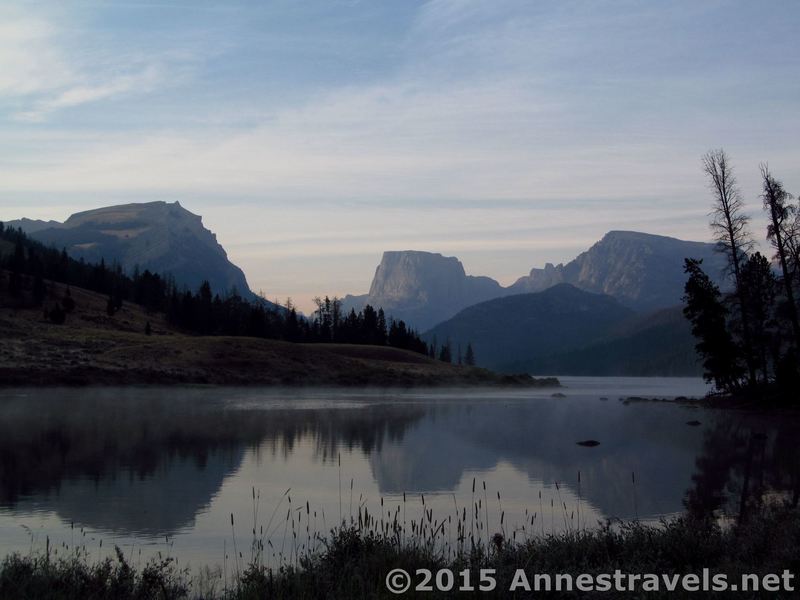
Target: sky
(313, 135)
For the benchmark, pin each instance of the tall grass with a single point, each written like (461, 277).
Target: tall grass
(352, 558)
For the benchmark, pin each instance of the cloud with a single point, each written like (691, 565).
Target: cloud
(497, 126)
(481, 106)
(137, 83)
(30, 61)
(44, 70)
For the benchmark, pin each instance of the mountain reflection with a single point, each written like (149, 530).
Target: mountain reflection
(149, 461)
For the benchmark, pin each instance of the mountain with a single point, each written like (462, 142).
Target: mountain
(161, 237)
(653, 344)
(641, 270)
(511, 332)
(30, 226)
(423, 288)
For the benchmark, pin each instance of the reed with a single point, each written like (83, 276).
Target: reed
(351, 561)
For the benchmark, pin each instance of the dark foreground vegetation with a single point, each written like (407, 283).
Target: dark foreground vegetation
(749, 335)
(353, 563)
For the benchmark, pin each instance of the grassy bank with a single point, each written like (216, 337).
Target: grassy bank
(353, 562)
(93, 348)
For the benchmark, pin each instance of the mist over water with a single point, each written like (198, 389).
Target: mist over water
(163, 469)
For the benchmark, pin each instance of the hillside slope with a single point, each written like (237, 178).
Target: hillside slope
(514, 330)
(656, 344)
(92, 348)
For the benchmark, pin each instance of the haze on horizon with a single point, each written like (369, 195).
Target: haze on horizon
(313, 136)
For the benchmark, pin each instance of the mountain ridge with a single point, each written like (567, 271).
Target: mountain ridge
(423, 288)
(643, 271)
(163, 237)
(564, 330)
(514, 329)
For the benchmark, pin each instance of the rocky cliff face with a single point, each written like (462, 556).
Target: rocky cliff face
(162, 237)
(641, 270)
(423, 288)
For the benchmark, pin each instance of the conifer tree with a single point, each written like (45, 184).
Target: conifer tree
(776, 203)
(446, 355)
(708, 315)
(469, 357)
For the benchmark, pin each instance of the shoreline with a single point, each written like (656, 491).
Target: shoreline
(91, 357)
(9, 380)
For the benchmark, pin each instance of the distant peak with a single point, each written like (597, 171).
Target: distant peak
(419, 253)
(636, 236)
(157, 209)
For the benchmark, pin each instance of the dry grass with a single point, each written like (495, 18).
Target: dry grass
(352, 561)
(95, 348)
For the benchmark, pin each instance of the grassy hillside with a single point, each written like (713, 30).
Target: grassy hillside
(92, 347)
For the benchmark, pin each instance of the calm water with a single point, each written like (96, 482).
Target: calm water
(163, 469)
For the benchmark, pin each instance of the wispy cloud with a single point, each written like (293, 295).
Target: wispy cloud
(44, 69)
(30, 61)
(136, 83)
(472, 114)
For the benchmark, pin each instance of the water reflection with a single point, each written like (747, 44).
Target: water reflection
(146, 462)
(140, 464)
(747, 460)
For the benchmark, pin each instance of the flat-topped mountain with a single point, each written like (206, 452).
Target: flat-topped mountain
(423, 288)
(159, 236)
(641, 270)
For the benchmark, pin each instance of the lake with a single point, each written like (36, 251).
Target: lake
(163, 469)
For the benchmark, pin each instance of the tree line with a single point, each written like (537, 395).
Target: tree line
(748, 336)
(31, 264)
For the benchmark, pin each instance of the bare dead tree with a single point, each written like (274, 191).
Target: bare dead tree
(792, 241)
(776, 203)
(729, 226)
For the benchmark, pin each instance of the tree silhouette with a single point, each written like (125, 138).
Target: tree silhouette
(729, 224)
(776, 200)
(469, 356)
(708, 315)
(67, 302)
(445, 354)
(758, 295)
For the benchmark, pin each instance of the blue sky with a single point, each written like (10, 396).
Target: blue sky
(313, 135)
